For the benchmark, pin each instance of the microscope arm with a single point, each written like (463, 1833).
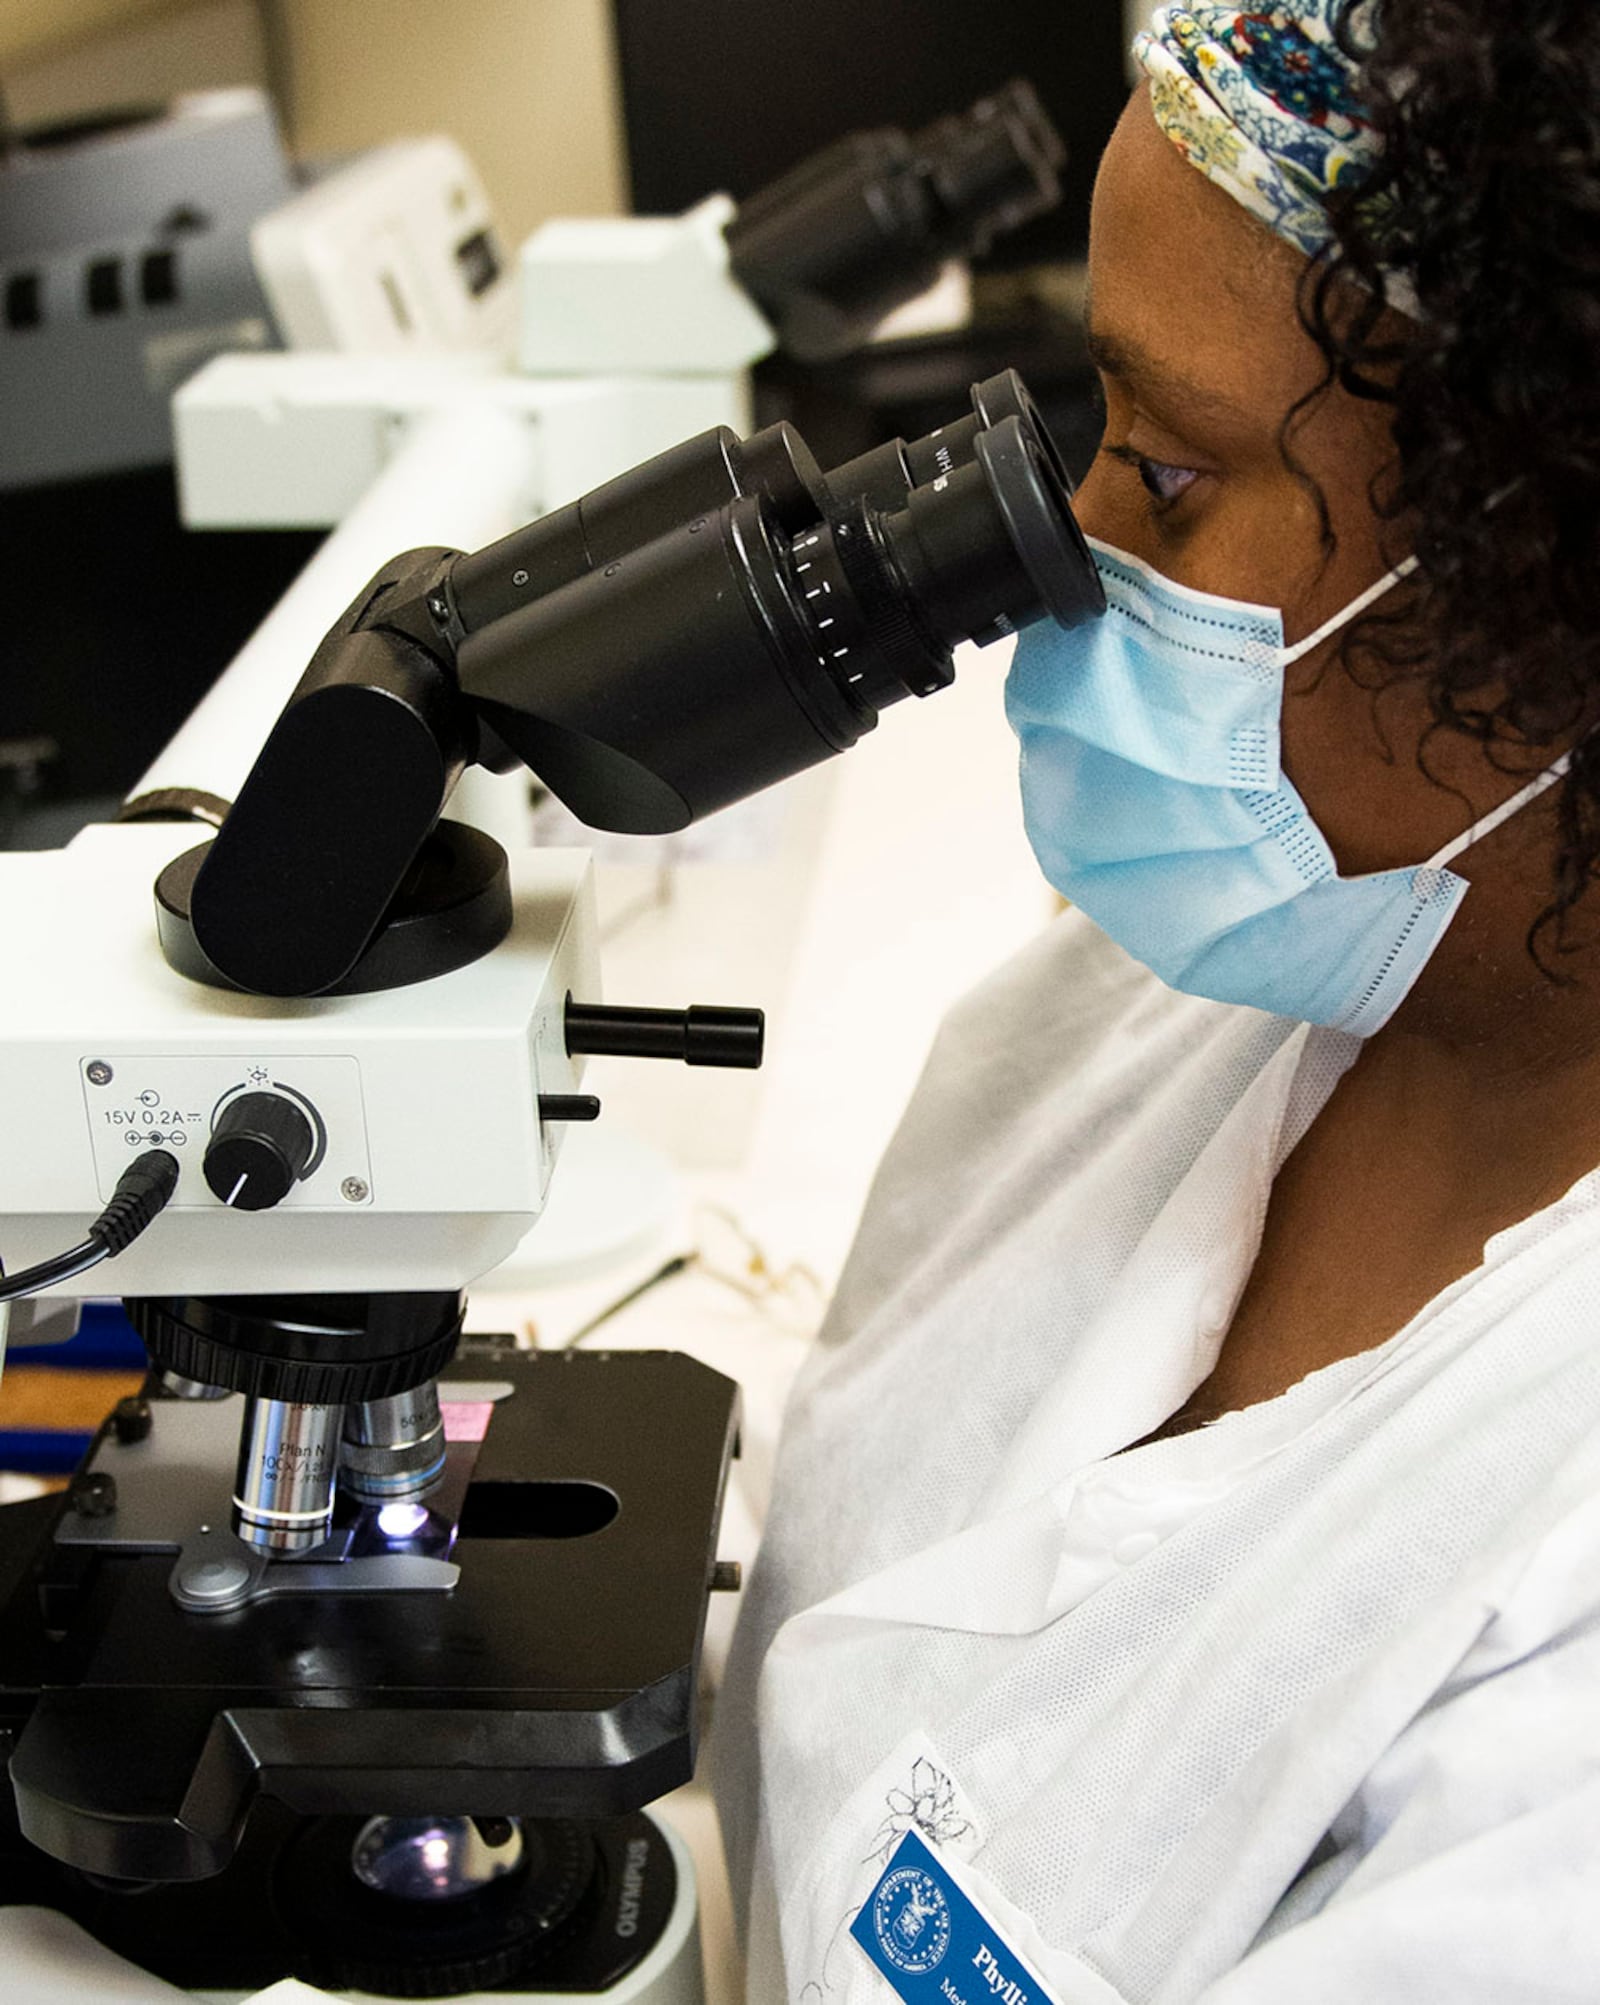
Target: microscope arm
(342, 796)
(458, 471)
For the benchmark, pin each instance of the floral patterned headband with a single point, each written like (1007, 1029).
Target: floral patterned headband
(1265, 103)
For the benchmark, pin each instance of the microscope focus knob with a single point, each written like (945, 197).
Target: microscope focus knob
(258, 1150)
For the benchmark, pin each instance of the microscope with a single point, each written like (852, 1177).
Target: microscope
(630, 332)
(357, 1647)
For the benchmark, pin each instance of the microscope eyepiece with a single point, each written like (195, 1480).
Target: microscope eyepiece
(691, 632)
(713, 469)
(883, 474)
(992, 168)
(732, 652)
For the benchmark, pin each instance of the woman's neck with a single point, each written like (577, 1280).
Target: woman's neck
(1429, 1146)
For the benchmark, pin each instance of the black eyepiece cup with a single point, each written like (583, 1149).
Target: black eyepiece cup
(1034, 496)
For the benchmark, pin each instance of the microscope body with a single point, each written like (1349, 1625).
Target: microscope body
(508, 1648)
(412, 1681)
(381, 1697)
(431, 1159)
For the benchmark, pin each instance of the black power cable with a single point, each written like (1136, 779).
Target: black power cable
(141, 1196)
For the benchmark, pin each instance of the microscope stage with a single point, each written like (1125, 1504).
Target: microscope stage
(557, 1678)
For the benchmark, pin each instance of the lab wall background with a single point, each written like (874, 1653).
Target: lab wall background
(348, 73)
(65, 59)
(527, 86)
(528, 89)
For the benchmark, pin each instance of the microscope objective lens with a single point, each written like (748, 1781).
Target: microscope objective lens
(394, 1449)
(288, 1463)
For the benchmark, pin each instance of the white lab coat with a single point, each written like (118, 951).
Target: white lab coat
(1301, 1707)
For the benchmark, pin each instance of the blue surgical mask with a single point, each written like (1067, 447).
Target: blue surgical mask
(1155, 801)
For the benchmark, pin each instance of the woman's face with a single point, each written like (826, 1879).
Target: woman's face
(1194, 330)
(1195, 333)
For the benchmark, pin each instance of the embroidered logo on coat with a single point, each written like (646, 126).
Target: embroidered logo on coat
(927, 1803)
(911, 1919)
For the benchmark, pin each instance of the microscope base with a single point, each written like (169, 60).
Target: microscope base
(659, 1902)
(671, 1974)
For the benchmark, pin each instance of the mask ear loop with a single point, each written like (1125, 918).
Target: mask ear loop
(1289, 655)
(1488, 823)
(1491, 821)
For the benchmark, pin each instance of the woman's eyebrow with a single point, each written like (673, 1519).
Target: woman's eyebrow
(1114, 356)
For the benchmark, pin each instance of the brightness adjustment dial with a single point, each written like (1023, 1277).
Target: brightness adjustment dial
(258, 1151)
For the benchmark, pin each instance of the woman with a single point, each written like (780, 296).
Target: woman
(1183, 1580)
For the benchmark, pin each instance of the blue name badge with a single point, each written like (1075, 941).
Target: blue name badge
(932, 1942)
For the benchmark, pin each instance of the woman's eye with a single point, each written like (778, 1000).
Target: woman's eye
(1162, 481)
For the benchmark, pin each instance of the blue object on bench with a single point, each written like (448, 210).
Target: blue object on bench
(42, 1451)
(106, 1341)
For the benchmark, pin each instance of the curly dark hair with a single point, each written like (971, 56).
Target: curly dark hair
(1487, 199)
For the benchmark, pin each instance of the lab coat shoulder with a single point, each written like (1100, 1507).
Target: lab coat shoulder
(1258, 1718)
(1067, 1051)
